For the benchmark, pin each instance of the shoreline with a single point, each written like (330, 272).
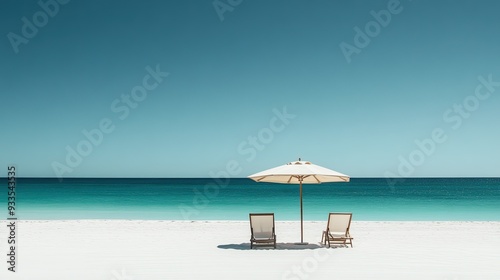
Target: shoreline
(277, 221)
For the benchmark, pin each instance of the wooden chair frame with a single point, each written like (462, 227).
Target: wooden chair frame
(259, 241)
(344, 238)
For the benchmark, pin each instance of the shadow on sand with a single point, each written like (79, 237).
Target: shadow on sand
(279, 246)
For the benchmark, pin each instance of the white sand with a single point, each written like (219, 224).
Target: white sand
(145, 250)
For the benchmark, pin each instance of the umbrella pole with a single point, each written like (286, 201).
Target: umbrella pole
(301, 216)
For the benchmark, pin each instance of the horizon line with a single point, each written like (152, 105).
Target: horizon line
(430, 177)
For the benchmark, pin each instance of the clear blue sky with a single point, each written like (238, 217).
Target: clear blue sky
(230, 68)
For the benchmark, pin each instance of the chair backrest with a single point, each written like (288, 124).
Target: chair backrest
(262, 224)
(339, 222)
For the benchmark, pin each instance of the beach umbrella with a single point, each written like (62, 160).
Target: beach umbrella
(299, 172)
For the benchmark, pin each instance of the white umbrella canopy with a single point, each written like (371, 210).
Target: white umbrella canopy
(299, 172)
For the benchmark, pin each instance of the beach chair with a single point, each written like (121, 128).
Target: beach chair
(262, 229)
(337, 229)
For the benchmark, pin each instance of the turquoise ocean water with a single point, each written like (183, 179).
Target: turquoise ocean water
(423, 199)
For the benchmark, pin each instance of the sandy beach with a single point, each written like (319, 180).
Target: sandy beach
(134, 249)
